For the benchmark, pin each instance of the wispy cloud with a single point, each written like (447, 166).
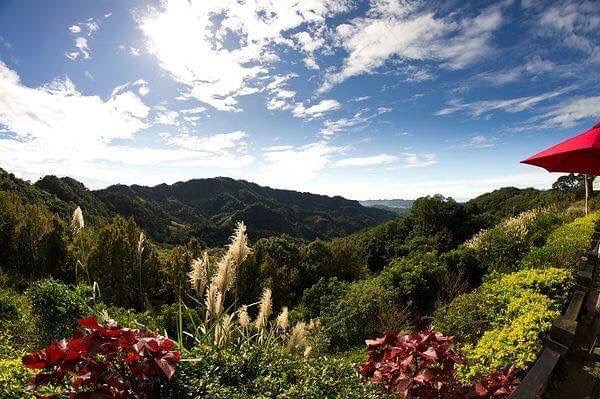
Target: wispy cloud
(411, 33)
(512, 105)
(569, 112)
(414, 160)
(83, 31)
(315, 111)
(477, 141)
(184, 35)
(367, 161)
(360, 119)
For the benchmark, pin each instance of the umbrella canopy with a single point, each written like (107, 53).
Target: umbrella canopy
(579, 154)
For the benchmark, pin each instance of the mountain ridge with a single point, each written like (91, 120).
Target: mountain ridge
(206, 208)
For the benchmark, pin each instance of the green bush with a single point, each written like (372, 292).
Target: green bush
(250, 371)
(516, 339)
(501, 248)
(9, 308)
(56, 308)
(503, 322)
(416, 278)
(13, 379)
(472, 314)
(367, 309)
(565, 245)
(17, 334)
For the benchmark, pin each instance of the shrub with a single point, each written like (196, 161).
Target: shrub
(114, 263)
(56, 308)
(16, 328)
(251, 371)
(565, 245)
(106, 361)
(500, 248)
(516, 339)
(13, 379)
(9, 308)
(416, 277)
(368, 308)
(421, 365)
(470, 315)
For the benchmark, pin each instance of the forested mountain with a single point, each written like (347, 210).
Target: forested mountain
(392, 203)
(206, 208)
(398, 206)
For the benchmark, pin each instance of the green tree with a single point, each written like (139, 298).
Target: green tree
(113, 263)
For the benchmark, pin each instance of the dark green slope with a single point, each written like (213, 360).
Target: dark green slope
(205, 208)
(209, 208)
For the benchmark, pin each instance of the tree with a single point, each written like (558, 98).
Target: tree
(113, 263)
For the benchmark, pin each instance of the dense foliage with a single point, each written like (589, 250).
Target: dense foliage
(565, 245)
(251, 371)
(246, 313)
(105, 361)
(205, 208)
(422, 365)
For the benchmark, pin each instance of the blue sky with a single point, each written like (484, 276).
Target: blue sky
(364, 99)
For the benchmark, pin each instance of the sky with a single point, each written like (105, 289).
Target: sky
(363, 99)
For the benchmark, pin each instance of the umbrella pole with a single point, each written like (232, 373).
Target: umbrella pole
(586, 193)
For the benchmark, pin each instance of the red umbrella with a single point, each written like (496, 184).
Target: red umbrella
(579, 154)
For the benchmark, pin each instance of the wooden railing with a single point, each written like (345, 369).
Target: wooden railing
(582, 309)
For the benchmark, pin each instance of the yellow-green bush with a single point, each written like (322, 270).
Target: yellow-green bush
(470, 315)
(13, 380)
(565, 245)
(515, 339)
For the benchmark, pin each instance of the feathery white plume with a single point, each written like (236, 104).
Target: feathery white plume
(265, 309)
(77, 222)
(198, 276)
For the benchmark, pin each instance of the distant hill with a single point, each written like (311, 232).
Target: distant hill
(205, 208)
(398, 206)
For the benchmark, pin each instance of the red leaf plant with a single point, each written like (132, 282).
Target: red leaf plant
(417, 365)
(421, 365)
(106, 361)
(499, 384)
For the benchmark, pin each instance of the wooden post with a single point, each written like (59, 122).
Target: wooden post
(585, 177)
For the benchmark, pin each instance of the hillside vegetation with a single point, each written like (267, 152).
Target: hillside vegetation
(204, 208)
(281, 316)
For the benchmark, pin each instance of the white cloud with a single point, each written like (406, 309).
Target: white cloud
(81, 29)
(457, 188)
(575, 23)
(361, 98)
(414, 160)
(512, 105)
(143, 90)
(367, 161)
(570, 112)
(56, 129)
(358, 120)
(403, 30)
(215, 143)
(285, 165)
(135, 51)
(183, 35)
(477, 141)
(533, 67)
(281, 96)
(317, 110)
